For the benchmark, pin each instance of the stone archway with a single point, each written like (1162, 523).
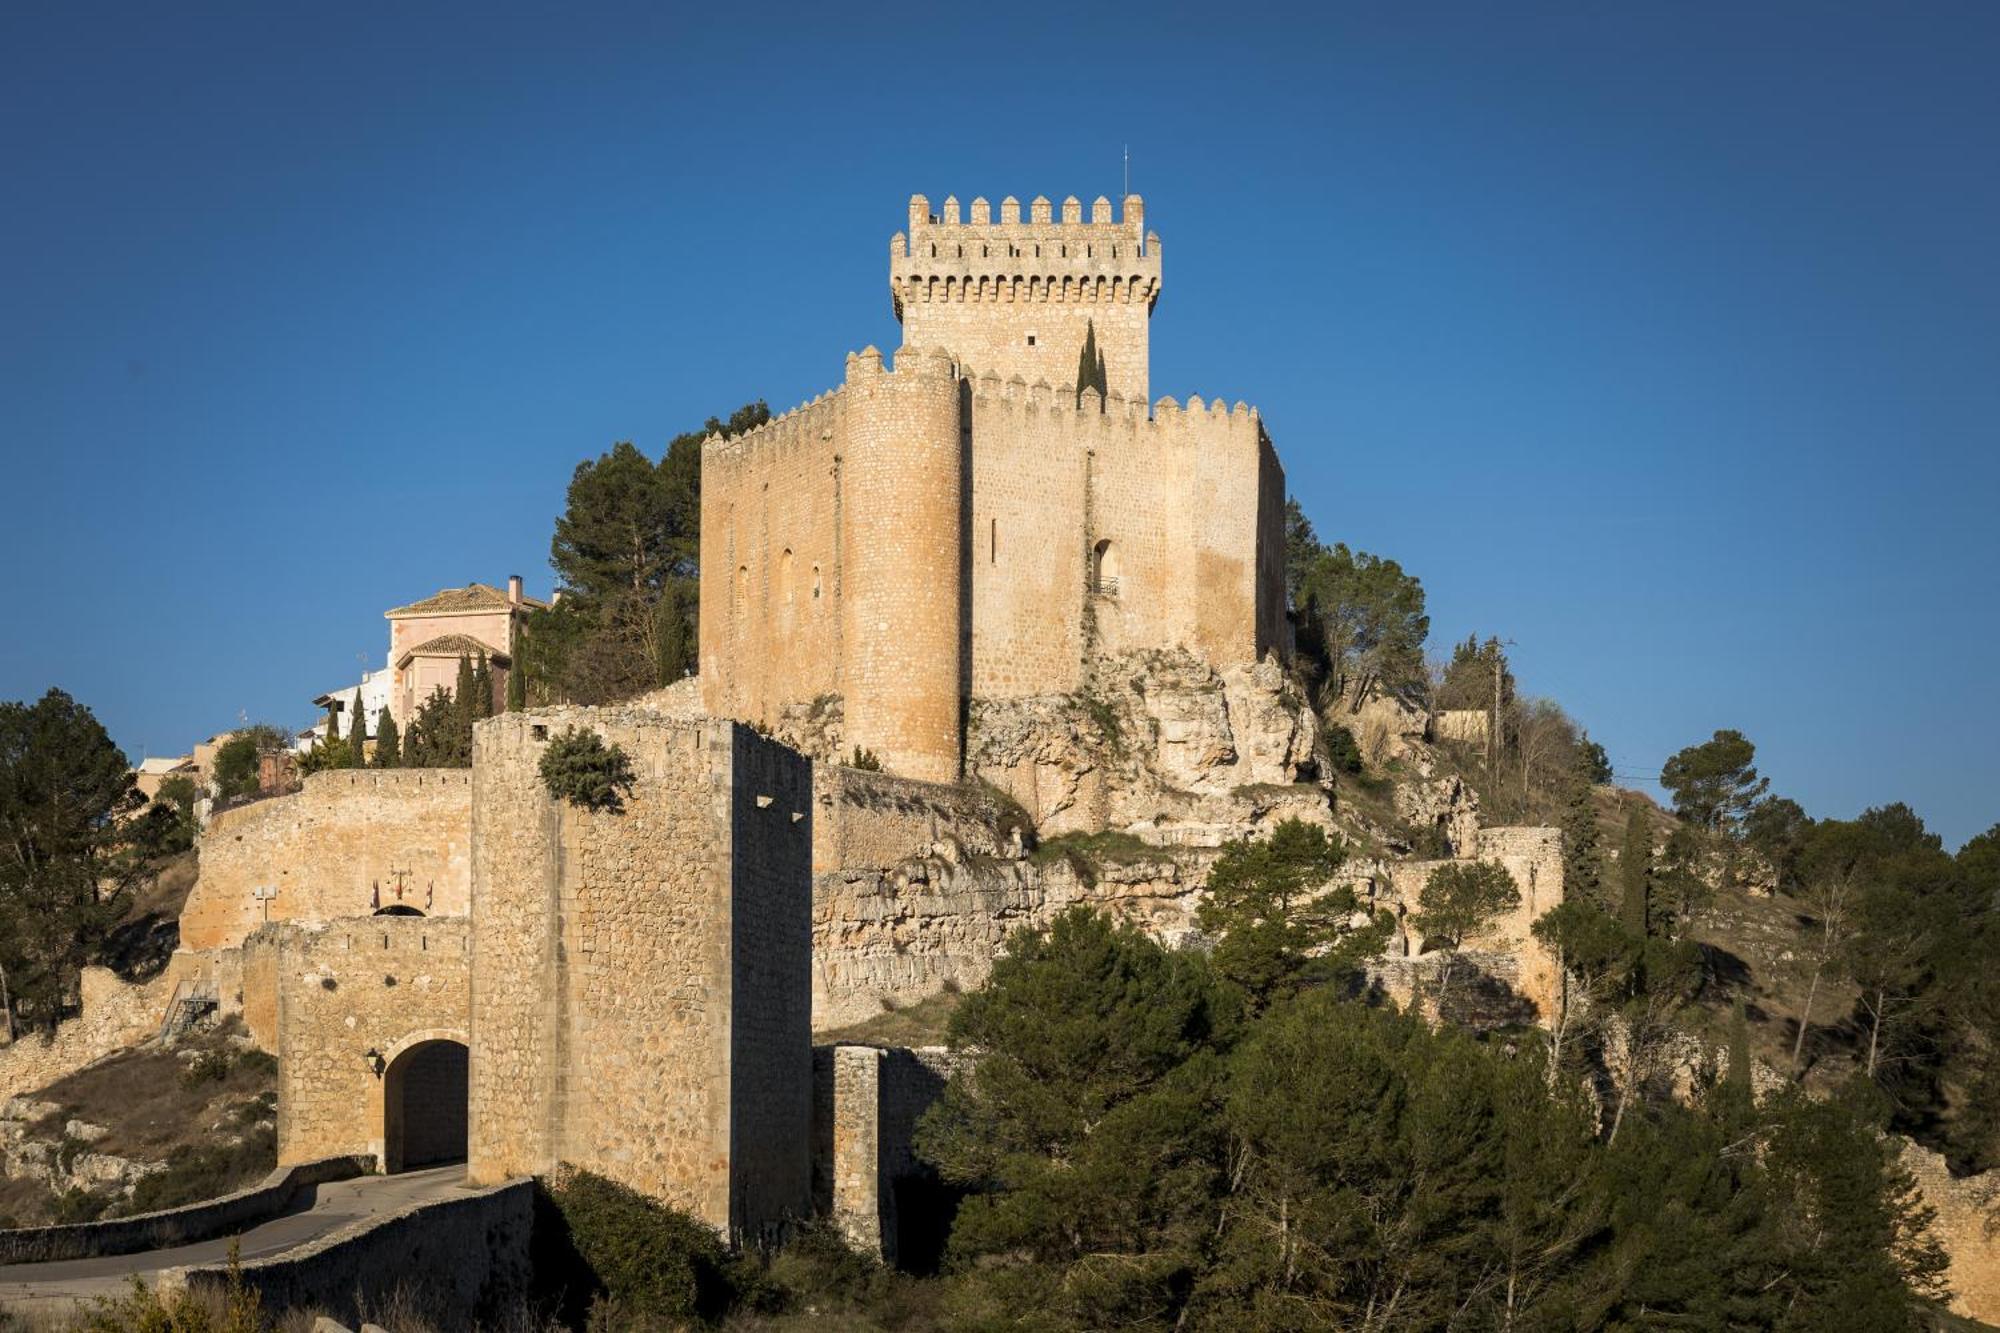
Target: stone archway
(424, 1100)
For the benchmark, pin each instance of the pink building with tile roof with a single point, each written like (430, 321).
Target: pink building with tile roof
(427, 638)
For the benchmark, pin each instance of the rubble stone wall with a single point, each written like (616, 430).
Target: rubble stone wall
(863, 819)
(1967, 1225)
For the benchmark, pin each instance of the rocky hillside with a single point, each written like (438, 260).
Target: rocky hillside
(163, 1123)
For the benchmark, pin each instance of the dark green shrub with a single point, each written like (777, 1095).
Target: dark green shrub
(1341, 751)
(644, 1263)
(206, 1067)
(580, 768)
(865, 760)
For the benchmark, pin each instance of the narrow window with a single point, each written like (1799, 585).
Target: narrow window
(1031, 340)
(815, 583)
(993, 541)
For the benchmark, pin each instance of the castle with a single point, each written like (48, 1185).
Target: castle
(457, 964)
(965, 525)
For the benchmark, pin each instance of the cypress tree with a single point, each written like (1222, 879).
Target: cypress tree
(462, 691)
(1635, 863)
(482, 688)
(1090, 366)
(1736, 1085)
(388, 745)
(517, 678)
(1582, 868)
(357, 731)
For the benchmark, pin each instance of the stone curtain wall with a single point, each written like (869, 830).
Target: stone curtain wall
(770, 626)
(376, 983)
(636, 973)
(875, 820)
(327, 849)
(979, 288)
(1180, 497)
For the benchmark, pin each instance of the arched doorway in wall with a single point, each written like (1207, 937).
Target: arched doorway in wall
(399, 909)
(424, 1093)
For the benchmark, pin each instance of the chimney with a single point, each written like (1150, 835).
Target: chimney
(513, 590)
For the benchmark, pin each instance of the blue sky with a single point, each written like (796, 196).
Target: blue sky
(1661, 340)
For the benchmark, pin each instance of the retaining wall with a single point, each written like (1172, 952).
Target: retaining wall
(177, 1226)
(458, 1259)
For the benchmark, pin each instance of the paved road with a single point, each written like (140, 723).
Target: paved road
(333, 1206)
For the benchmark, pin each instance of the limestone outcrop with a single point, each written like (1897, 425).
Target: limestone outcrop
(1159, 744)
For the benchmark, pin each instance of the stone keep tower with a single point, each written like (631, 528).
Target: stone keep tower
(1015, 298)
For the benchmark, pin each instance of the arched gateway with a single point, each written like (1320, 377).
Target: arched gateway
(424, 1104)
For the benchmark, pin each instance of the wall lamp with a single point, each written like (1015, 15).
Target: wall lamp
(375, 1062)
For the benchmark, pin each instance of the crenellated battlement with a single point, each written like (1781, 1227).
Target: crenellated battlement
(1011, 262)
(1166, 421)
(818, 418)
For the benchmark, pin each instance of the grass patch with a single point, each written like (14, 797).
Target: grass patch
(920, 1024)
(1110, 846)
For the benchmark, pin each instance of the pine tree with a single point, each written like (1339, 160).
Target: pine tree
(1635, 862)
(388, 745)
(357, 731)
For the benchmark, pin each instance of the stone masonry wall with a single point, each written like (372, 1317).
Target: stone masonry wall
(1533, 858)
(1967, 1225)
(332, 850)
(379, 984)
(640, 975)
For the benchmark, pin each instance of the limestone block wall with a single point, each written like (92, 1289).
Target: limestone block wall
(379, 984)
(640, 977)
(1095, 533)
(331, 850)
(1016, 296)
(770, 562)
(863, 819)
(830, 563)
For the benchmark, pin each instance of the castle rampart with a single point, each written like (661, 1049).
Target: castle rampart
(350, 842)
(641, 977)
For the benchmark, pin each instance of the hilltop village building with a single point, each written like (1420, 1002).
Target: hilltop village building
(427, 638)
(964, 525)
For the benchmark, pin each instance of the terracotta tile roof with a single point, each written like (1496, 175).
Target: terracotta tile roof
(453, 645)
(472, 597)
